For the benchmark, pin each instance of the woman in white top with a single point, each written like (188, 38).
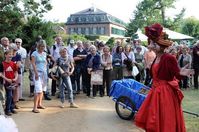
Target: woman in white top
(106, 61)
(128, 55)
(183, 60)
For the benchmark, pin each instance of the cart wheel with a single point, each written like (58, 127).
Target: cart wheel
(125, 108)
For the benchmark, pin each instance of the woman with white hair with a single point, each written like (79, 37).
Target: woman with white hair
(92, 64)
(39, 63)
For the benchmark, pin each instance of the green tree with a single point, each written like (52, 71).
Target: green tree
(36, 26)
(30, 6)
(23, 20)
(111, 42)
(153, 11)
(36, 8)
(11, 23)
(190, 27)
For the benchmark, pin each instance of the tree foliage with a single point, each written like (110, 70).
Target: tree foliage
(36, 8)
(111, 42)
(153, 11)
(190, 27)
(27, 7)
(11, 23)
(22, 18)
(34, 27)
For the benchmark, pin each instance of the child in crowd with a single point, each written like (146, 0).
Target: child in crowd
(9, 72)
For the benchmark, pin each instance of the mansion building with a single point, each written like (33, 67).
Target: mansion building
(93, 21)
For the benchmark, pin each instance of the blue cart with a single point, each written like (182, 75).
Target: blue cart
(128, 95)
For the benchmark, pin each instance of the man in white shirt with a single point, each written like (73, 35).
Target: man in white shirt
(22, 51)
(71, 47)
(54, 51)
(137, 43)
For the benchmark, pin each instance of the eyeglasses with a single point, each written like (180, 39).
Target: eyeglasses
(17, 42)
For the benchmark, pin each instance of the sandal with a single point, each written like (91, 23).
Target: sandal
(41, 107)
(35, 111)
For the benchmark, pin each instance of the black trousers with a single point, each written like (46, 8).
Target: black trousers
(107, 78)
(88, 83)
(80, 71)
(53, 87)
(184, 83)
(148, 77)
(99, 88)
(117, 73)
(196, 73)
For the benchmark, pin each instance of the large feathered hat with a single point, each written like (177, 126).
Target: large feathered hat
(156, 34)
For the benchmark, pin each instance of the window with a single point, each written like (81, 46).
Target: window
(72, 19)
(117, 31)
(79, 31)
(94, 30)
(79, 19)
(94, 18)
(87, 19)
(75, 30)
(102, 31)
(90, 30)
(83, 30)
(87, 31)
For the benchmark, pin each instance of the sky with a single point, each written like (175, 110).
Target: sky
(122, 9)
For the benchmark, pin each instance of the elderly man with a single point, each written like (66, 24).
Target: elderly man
(71, 47)
(5, 43)
(3, 47)
(79, 56)
(137, 43)
(118, 43)
(55, 54)
(22, 51)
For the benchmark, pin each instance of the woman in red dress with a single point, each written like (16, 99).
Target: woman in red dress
(161, 111)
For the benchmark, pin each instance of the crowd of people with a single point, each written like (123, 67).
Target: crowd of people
(71, 68)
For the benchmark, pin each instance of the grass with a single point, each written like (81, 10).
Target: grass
(191, 104)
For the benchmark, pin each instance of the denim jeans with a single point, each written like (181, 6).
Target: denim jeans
(9, 100)
(65, 82)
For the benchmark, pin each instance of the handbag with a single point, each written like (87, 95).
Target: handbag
(135, 71)
(128, 63)
(54, 72)
(97, 77)
(10, 86)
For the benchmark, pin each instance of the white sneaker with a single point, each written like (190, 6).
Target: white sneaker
(62, 105)
(73, 105)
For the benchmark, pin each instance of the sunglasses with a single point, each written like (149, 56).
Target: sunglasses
(17, 42)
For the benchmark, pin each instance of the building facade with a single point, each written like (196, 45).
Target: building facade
(93, 21)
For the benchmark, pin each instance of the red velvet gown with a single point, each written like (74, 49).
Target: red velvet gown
(161, 111)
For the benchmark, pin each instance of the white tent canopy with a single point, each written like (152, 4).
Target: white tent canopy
(176, 35)
(172, 35)
(141, 36)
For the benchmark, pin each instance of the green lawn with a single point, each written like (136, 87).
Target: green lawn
(191, 104)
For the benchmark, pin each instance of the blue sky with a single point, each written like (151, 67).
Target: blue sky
(122, 9)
